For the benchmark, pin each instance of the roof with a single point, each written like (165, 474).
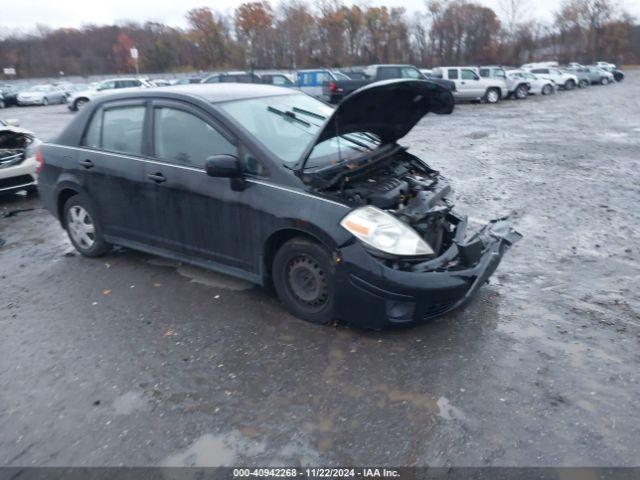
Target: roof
(211, 92)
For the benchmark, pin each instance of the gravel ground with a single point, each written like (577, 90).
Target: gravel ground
(134, 360)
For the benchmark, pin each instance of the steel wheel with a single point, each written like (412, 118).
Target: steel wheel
(81, 227)
(306, 281)
(546, 90)
(521, 93)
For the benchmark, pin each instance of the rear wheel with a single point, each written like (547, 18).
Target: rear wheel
(83, 227)
(583, 84)
(569, 84)
(492, 95)
(45, 101)
(604, 81)
(303, 279)
(546, 90)
(79, 103)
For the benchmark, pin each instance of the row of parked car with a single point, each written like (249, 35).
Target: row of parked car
(488, 84)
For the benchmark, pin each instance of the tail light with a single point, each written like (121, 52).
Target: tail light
(39, 160)
(332, 87)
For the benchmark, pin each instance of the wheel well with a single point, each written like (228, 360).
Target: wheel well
(276, 240)
(497, 89)
(64, 195)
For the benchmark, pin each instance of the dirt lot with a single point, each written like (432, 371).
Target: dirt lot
(133, 360)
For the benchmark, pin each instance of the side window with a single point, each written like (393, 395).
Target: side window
(122, 129)
(92, 135)
(485, 72)
(466, 74)
(107, 85)
(410, 73)
(214, 79)
(184, 139)
(279, 80)
(322, 77)
(385, 73)
(307, 79)
(500, 73)
(452, 73)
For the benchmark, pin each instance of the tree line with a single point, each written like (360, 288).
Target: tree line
(298, 34)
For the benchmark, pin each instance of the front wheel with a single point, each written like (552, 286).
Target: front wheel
(604, 81)
(522, 92)
(83, 227)
(583, 84)
(303, 278)
(492, 95)
(547, 89)
(569, 84)
(45, 101)
(79, 103)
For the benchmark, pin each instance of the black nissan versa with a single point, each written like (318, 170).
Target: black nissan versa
(276, 187)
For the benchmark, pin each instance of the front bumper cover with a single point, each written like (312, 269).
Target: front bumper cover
(372, 295)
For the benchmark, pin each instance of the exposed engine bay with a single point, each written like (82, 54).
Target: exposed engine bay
(14, 144)
(410, 190)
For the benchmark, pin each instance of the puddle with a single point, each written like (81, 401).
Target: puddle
(215, 451)
(448, 411)
(129, 402)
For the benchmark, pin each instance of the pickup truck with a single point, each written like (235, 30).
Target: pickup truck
(517, 86)
(471, 86)
(335, 90)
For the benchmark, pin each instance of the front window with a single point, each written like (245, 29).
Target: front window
(286, 124)
(468, 75)
(184, 139)
(410, 73)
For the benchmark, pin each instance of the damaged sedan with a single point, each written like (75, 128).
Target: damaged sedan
(278, 188)
(17, 158)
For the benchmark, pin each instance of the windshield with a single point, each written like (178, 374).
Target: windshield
(286, 124)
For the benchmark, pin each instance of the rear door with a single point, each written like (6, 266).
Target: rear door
(112, 167)
(187, 211)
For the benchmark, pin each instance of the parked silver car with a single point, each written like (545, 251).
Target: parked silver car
(41, 95)
(78, 99)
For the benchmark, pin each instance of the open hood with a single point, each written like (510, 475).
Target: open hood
(388, 109)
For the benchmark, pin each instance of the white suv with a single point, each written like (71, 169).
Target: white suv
(470, 86)
(78, 99)
(17, 158)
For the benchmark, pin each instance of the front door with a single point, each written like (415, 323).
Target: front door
(189, 212)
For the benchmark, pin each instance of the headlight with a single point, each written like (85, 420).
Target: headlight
(384, 232)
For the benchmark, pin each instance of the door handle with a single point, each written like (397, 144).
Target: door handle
(86, 163)
(157, 177)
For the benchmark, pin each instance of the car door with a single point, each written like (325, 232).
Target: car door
(112, 168)
(462, 89)
(471, 82)
(189, 212)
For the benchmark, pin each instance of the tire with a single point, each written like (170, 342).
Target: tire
(79, 103)
(569, 84)
(547, 89)
(302, 275)
(87, 240)
(604, 81)
(583, 84)
(492, 95)
(45, 101)
(521, 92)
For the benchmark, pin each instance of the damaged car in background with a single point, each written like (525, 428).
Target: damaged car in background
(278, 188)
(17, 157)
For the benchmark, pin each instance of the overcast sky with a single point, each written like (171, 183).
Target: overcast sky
(25, 14)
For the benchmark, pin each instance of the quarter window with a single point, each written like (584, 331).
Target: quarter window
(122, 129)
(92, 136)
(184, 139)
(452, 74)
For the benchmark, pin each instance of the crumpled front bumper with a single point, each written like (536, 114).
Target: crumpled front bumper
(373, 295)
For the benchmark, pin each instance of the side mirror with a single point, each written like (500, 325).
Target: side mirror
(226, 166)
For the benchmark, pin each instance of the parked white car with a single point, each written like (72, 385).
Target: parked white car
(41, 95)
(470, 86)
(17, 158)
(606, 66)
(78, 99)
(565, 80)
(539, 86)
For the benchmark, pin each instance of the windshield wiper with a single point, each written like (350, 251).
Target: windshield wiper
(288, 115)
(310, 114)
